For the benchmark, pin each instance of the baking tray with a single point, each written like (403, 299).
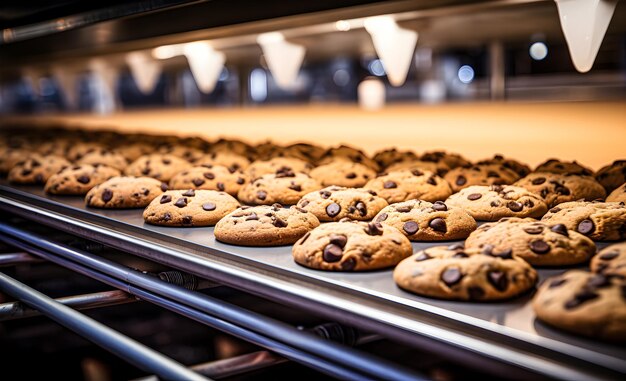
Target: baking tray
(495, 330)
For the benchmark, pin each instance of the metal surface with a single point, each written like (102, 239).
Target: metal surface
(118, 344)
(18, 310)
(480, 332)
(325, 356)
(12, 259)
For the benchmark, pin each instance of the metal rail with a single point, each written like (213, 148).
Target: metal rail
(118, 344)
(303, 347)
(12, 259)
(19, 310)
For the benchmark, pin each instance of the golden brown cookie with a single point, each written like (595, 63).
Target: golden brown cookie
(79, 179)
(600, 221)
(464, 274)
(351, 246)
(229, 160)
(557, 188)
(334, 203)
(264, 167)
(564, 167)
(613, 175)
(439, 168)
(103, 156)
(349, 153)
(408, 185)
(283, 187)
(37, 169)
(125, 192)
(451, 160)
(390, 156)
(159, 166)
(343, 173)
(520, 168)
(611, 260)
(480, 174)
(211, 177)
(189, 208)
(618, 194)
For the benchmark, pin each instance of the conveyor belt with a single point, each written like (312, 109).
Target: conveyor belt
(496, 336)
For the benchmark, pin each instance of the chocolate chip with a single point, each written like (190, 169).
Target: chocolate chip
(220, 186)
(410, 227)
(295, 187)
(372, 192)
(261, 195)
(422, 257)
(83, 179)
(187, 220)
(533, 229)
(167, 217)
(333, 209)
(417, 172)
(560, 229)
(494, 203)
(374, 228)
(145, 171)
(166, 161)
(580, 298)
(609, 256)
(493, 174)
(181, 202)
(539, 247)
(189, 193)
(209, 175)
(389, 184)
(146, 192)
(339, 240)
(351, 175)
(165, 199)
(475, 292)
(164, 187)
(438, 224)
(349, 264)
(382, 217)
(440, 206)
(403, 208)
(279, 223)
(360, 206)
(451, 276)
(514, 206)
(252, 217)
(498, 280)
(556, 283)
(284, 172)
(209, 206)
(474, 196)
(506, 254)
(276, 206)
(538, 181)
(240, 180)
(461, 180)
(197, 182)
(26, 172)
(332, 253)
(431, 180)
(325, 194)
(303, 203)
(586, 227)
(305, 237)
(107, 195)
(460, 254)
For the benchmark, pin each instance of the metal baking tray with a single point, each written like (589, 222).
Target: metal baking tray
(479, 333)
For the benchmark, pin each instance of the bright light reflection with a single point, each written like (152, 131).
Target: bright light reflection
(466, 74)
(538, 51)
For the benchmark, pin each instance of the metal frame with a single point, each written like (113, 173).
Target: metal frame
(303, 347)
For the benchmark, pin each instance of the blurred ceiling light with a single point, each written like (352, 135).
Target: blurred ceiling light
(376, 68)
(394, 46)
(466, 74)
(538, 51)
(106, 77)
(206, 64)
(342, 26)
(584, 23)
(145, 70)
(167, 51)
(258, 85)
(283, 58)
(341, 77)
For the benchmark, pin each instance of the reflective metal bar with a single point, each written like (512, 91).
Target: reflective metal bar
(229, 316)
(18, 310)
(12, 259)
(118, 344)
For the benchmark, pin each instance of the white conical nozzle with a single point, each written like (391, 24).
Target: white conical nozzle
(205, 63)
(67, 81)
(584, 24)
(145, 70)
(283, 58)
(394, 46)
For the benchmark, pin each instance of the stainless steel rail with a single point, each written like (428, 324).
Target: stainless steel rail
(118, 344)
(11, 259)
(303, 347)
(19, 310)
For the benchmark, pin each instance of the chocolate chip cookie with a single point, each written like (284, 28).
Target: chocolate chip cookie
(125, 192)
(422, 221)
(37, 169)
(480, 174)
(439, 168)
(159, 166)
(585, 304)
(334, 203)
(78, 150)
(490, 203)
(520, 168)
(600, 221)
(79, 179)
(229, 160)
(538, 243)
(264, 167)
(351, 246)
(389, 156)
(231, 145)
(464, 274)
(104, 156)
(348, 153)
(189, 208)
(211, 177)
(408, 185)
(618, 194)
(283, 187)
(563, 167)
(612, 176)
(265, 225)
(343, 173)
(451, 160)
(9, 157)
(190, 154)
(133, 151)
(557, 188)
(311, 152)
(611, 260)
